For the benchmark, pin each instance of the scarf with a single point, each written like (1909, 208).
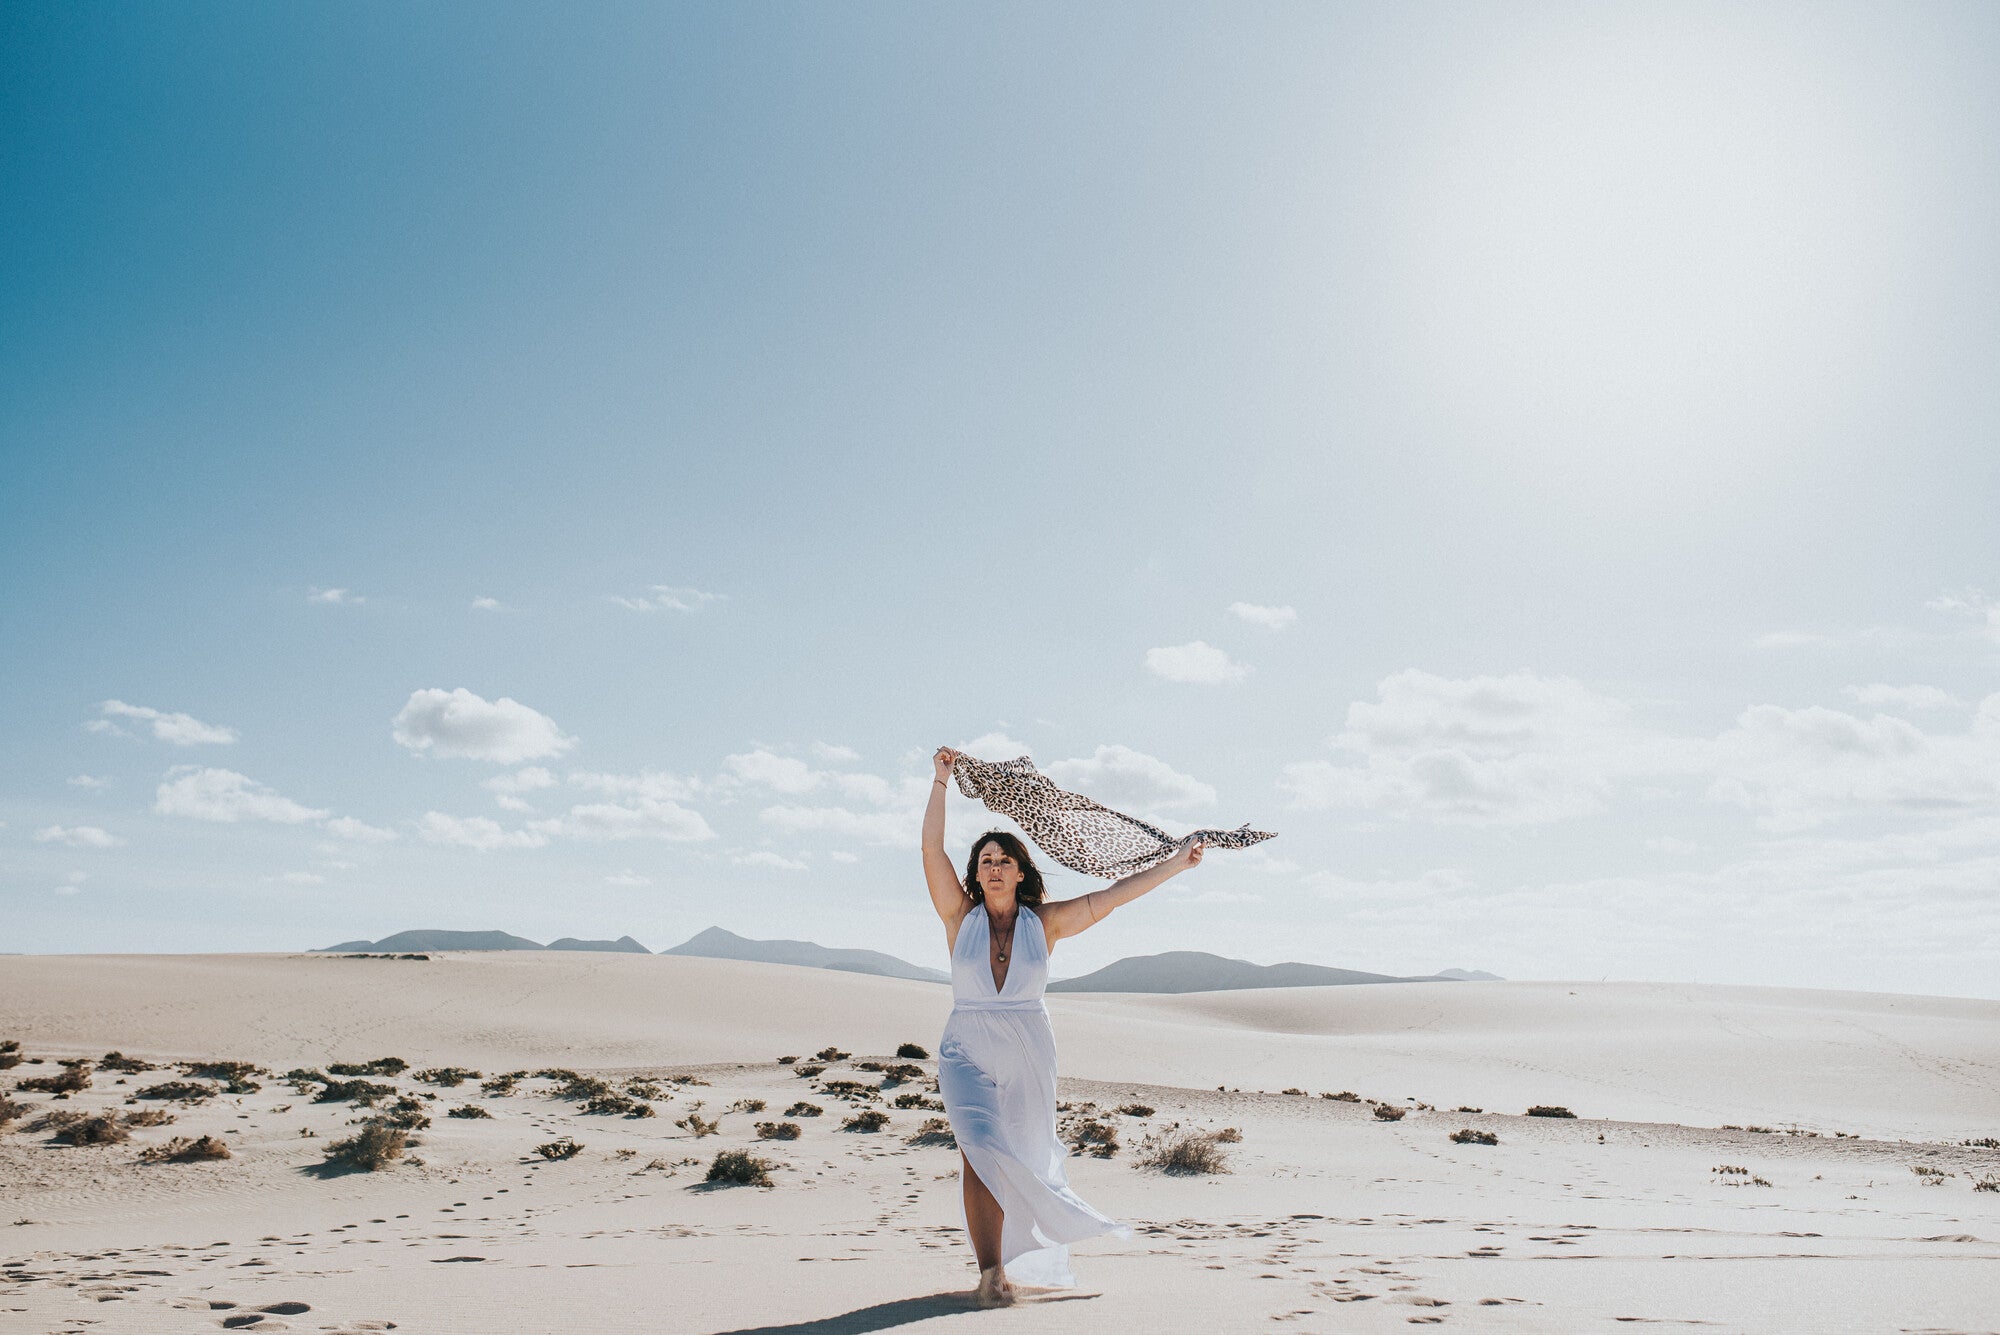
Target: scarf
(1077, 832)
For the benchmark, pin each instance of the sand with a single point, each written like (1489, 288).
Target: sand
(1329, 1219)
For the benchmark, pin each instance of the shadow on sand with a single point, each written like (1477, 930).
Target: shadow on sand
(884, 1316)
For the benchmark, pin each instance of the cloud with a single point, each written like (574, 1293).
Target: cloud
(641, 818)
(72, 883)
(762, 858)
(475, 832)
(1902, 697)
(1271, 618)
(653, 785)
(460, 724)
(180, 729)
(334, 596)
(839, 755)
(842, 855)
(77, 836)
(669, 598)
(988, 746)
(779, 773)
(628, 877)
(1518, 749)
(486, 604)
(532, 779)
(224, 795)
(359, 832)
(87, 781)
(884, 828)
(1124, 779)
(508, 802)
(1195, 663)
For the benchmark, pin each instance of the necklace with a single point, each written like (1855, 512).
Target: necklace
(1010, 931)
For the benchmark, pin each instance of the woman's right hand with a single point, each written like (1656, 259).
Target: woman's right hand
(942, 762)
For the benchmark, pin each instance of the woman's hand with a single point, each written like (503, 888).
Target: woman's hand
(1188, 856)
(942, 762)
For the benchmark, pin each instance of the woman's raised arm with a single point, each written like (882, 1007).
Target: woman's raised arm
(1067, 917)
(948, 896)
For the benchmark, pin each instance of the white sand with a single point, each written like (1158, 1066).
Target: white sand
(1330, 1220)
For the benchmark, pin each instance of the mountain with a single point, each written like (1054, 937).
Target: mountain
(1470, 976)
(436, 940)
(1197, 971)
(717, 944)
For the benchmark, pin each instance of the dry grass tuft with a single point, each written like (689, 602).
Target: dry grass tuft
(852, 1090)
(470, 1110)
(1136, 1110)
(449, 1077)
(389, 1066)
(912, 1050)
(178, 1091)
(73, 1079)
(808, 1071)
(1551, 1110)
(778, 1130)
(868, 1119)
(1091, 1136)
(696, 1125)
(1229, 1135)
(832, 1054)
(1184, 1154)
(10, 1053)
(183, 1150)
(787, 1061)
(564, 1148)
(1388, 1112)
(916, 1099)
(118, 1061)
(149, 1117)
(100, 1129)
(363, 1092)
(1344, 1096)
(1468, 1136)
(746, 1106)
(737, 1168)
(502, 1085)
(370, 1148)
(608, 1105)
(235, 1076)
(935, 1131)
(9, 1110)
(804, 1109)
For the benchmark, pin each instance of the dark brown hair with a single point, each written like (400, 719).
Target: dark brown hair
(1031, 888)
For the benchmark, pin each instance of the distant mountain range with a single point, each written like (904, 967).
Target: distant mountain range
(1174, 971)
(1198, 971)
(482, 941)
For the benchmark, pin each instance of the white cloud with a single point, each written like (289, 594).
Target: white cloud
(838, 755)
(180, 729)
(460, 724)
(1195, 663)
(77, 836)
(224, 795)
(302, 878)
(359, 832)
(669, 598)
(333, 596)
(88, 781)
(1271, 618)
(653, 785)
(1903, 697)
(885, 828)
(486, 604)
(1128, 780)
(1518, 749)
(779, 773)
(842, 855)
(628, 877)
(762, 858)
(72, 883)
(988, 746)
(531, 779)
(642, 818)
(476, 832)
(103, 725)
(508, 802)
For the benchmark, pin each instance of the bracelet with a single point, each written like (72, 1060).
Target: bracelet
(940, 781)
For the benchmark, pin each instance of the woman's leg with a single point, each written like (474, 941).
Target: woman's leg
(982, 1216)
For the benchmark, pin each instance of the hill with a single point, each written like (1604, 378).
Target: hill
(717, 944)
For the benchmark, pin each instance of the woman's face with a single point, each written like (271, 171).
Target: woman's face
(999, 875)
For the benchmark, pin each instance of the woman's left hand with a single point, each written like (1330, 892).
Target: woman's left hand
(1188, 857)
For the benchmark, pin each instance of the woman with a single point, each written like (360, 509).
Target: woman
(997, 1059)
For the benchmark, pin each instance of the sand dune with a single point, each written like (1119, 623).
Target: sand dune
(1331, 1218)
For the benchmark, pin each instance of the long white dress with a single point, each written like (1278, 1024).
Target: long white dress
(997, 1073)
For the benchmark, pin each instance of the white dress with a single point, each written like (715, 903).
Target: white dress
(997, 1073)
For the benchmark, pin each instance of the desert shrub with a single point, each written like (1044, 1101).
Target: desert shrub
(1987, 1184)
(1386, 1112)
(912, 1050)
(832, 1054)
(565, 1148)
(183, 1150)
(1729, 1169)
(1470, 1137)
(370, 1148)
(501, 1085)
(1299, 1092)
(1983, 1143)
(901, 1071)
(606, 1105)
(235, 1076)
(636, 1088)
(449, 1077)
(869, 1066)
(868, 1119)
(560, 1074)
(363, 1092)
(697, 1126)
(804, 1109)
(935, 1131)
(1135, 1110)
(406, 1113)
(687, 1080)
(179, 1091)
(118, 1061)
(787, 1061)
(1462, 1108)
(389, 1066)
(778, 1130)
(9, 1110)
(470, 1110)
(73, 1079)
(918, 1099)
(1931, 1174)
(300, 1078)
(738, 1168)
(1229, 1135)
(1548, 1110)
(149, 1117)
(851, 1090)
(1183, 1154)
(10, 1053)
(808, 1071)
(585, 1087)
(1344, 1096)
(101, 1129)
(1094, 1137)
(747, 1106)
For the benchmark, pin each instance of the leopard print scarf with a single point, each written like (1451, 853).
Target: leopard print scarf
(1074, 830)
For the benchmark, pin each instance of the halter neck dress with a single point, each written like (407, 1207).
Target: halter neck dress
(997, 1073)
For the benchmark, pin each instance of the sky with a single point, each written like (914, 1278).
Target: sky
(563, 471)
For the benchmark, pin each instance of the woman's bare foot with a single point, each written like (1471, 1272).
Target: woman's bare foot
(994, 1290)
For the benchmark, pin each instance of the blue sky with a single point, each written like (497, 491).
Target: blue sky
(1537, 459)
